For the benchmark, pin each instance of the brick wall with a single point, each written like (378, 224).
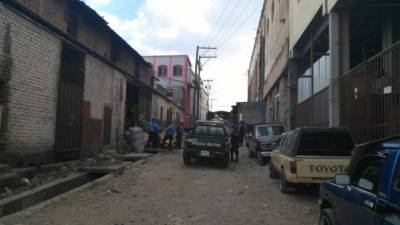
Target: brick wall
(32, 86)
(51, 10)
(94, 37)
(105, 86)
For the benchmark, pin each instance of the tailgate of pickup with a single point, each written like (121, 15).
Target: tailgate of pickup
(321, 167)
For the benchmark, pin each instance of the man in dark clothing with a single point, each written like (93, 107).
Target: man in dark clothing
(179, 134)
(235, 142)
(241, 132)
(169, 135)
(154, 129)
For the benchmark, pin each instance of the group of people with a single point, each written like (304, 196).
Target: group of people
(237, 136)
(176, 131)
(172, 130)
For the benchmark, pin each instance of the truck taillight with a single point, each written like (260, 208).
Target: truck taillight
(293, 167)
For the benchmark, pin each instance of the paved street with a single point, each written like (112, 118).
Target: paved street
(163, 191)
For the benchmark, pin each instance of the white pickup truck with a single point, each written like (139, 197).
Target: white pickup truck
(311, 156)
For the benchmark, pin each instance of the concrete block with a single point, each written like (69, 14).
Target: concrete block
(116, 168)
(133, 157)
(8, 179)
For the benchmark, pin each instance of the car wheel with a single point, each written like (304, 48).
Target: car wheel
(187, 160)
(261, 160)
(225, 162)
(284, 185)
(273, 173)
(327, 217)
(251, 153)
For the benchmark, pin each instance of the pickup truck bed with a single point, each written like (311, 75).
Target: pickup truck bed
(311, 169)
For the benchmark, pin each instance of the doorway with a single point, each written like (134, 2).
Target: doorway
(69, 104)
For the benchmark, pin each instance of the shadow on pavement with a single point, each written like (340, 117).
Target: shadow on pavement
(200, 163)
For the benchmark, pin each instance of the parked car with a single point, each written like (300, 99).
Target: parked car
(261, 140)
(208, 139)
(310, 156)
(369, 194)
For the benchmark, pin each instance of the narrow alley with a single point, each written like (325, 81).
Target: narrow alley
(163, 191)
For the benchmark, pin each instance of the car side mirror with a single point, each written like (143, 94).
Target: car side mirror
(342, 179)
(366, 184)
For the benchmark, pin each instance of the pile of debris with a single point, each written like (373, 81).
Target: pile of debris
(17, 180)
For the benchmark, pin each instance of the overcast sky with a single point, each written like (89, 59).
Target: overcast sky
(178, 26)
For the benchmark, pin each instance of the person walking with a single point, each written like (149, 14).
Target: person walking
(153, 129)
(235, 142)
(169, 135)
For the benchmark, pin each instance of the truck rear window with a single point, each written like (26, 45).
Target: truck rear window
(205, 130)
(266, 131)
(326, 144)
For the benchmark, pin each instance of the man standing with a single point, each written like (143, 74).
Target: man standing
(153, 129)
(235, 142)
(241, 131)
(179, 134)
(169, 135)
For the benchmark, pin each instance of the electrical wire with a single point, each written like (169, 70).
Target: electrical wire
(219, 19)
(223, 43)
(236, 20)
(225, 21)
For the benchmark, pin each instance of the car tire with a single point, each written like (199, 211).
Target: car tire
(284, 185)
(187, 159)
(225, 162)
(273, 173)
(261, 160)
(251, 153)
(327, 217)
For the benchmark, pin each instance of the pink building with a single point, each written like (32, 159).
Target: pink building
(175, 74)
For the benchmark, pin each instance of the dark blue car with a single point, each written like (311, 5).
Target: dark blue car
(370, 193)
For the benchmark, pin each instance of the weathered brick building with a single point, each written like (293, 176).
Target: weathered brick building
(69, 85)
(268, 72)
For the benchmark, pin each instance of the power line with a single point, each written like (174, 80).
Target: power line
(238, 28)
(226, 20)
(236, 20)
(219, 19)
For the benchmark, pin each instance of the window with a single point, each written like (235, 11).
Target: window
(321, 143)
(161, 113)
(321, 78)
(177, 70)
(205, 130)
(369, 169)
(170, 93)
(162, 71)
(267, 131)
(282, 143)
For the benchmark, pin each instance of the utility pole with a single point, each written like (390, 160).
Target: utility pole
(197, 80)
